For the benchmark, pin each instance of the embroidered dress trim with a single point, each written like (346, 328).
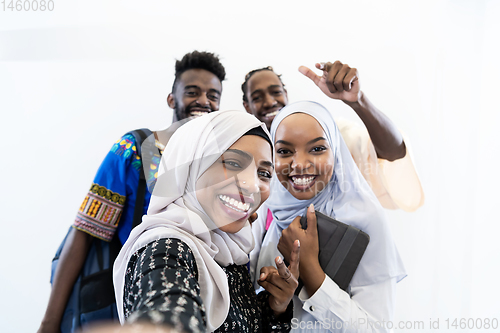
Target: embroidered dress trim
(100, 212)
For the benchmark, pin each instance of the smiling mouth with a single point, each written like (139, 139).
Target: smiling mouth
(234, 204)
(271, 114)
(198, 113)
(302, 181)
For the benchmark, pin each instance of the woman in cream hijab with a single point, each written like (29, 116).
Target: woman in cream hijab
(185, 264)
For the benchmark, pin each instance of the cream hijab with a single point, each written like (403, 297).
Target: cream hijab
(347, 198)
(174, 210)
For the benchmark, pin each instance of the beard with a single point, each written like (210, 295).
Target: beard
(186, 112)
(179, 114)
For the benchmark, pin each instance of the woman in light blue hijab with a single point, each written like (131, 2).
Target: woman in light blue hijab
(314, 166)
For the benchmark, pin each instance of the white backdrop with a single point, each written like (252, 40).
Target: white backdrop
(74, 79)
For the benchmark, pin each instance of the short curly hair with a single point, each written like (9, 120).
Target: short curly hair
(252, 72)
(199, 60)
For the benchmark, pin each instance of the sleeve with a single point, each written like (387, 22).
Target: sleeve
(368, 309)
(270, 322)
(396, 184)
(161, 287)
(114, 184)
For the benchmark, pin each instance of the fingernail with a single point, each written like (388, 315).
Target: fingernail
(262, 276)
(298, 243)
(311, 208)
(321, 65)
(280, 261)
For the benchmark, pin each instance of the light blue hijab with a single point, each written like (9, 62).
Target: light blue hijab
(347, 198)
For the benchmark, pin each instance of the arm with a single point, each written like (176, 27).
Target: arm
(321, 296)
(70, 264)
(339, 81)
(161, 286)
(108, 194)
(368, 309)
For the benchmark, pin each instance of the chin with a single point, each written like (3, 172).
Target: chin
(233, 227)
(302, 195)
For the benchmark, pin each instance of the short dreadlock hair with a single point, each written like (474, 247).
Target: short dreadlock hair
(249, 75)
(199, 60)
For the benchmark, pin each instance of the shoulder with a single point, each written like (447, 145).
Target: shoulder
(125, 150)
(125, 146)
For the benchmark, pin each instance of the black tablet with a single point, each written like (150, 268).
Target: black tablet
(341, 247)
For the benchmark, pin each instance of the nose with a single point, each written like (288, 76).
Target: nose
(248, 180)
(300, 162)
(203, 100)
(269, 101)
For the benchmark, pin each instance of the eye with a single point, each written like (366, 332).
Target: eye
(231, 164)
(266, 174)
(213, 97)
(190, 93)
(256, 99)
(318, 149)
(277, 92)
(283, 151)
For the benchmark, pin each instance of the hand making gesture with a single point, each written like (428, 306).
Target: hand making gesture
(282, 282)
(339, 81)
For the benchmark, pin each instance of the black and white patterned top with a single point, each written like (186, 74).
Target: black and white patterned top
(161, 286)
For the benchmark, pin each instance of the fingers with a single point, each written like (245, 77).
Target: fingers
(283, 271)
(312, 225)
(350, 78)
(324, 66)
(271, 288)
(296, 221)
(332, 75)
(339, 77)
(310, 74)
(294, 259)
(265, 272)
(252, 218)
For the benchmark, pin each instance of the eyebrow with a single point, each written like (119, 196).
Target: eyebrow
(248, 156)
(267, 163)
(197, 87)
(308, 143)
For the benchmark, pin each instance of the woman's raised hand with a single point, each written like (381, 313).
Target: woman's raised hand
(281, 282)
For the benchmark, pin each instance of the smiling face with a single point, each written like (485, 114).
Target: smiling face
(237, 183)
(265, 96)
(196, 93)
(304, 159)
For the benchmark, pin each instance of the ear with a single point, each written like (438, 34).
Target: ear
(171, 101)
(247, 107)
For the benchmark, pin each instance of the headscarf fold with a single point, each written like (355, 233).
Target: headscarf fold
(175, 212)
(347, 198)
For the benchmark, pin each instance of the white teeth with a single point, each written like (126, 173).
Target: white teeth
(198, 113)
(234, 204)
(272, 114)
(302, 180)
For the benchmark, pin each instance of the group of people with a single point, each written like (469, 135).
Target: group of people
(221, 219)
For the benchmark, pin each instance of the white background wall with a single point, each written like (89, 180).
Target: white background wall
(73, 80)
